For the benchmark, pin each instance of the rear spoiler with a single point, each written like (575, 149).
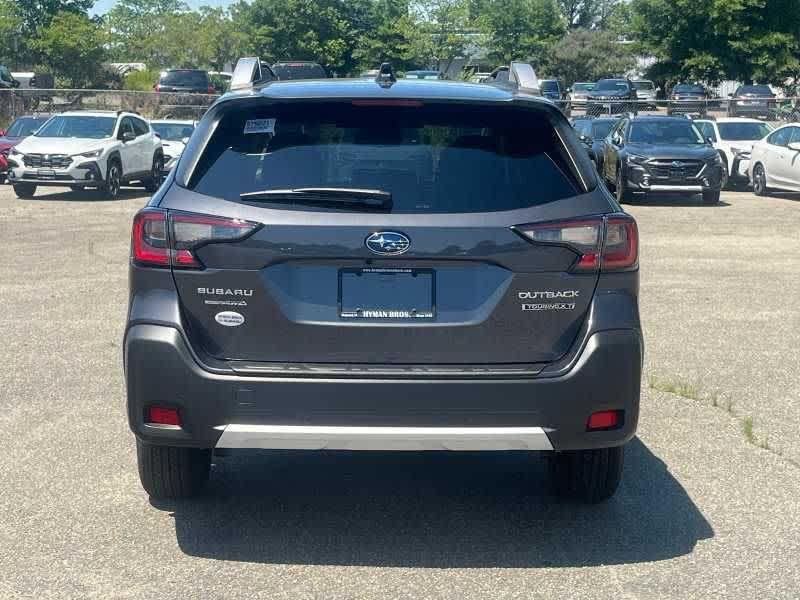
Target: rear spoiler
(250, 72)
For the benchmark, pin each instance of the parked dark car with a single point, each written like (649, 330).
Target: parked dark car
(21, 128)
(752, 101)
(189, 81)
(688, 99)
(551, 89)
(643, 156)
(591, 132)
(424, 75)
(612, 97)
(385, 265)
(298, 70)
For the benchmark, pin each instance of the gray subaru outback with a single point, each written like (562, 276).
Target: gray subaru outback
(383, 265)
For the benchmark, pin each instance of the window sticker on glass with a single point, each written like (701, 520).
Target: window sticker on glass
(259, 126)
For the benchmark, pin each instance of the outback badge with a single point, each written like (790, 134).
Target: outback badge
(388, 243)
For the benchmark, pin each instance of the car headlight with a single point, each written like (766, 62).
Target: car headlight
(15, 152)
(741, 151)
(90, 154)
(635, 159)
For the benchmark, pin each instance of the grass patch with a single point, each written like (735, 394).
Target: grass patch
(747, 429)
(679, 387)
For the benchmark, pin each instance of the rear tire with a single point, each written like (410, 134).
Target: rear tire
(623, 195)
(172, 472)
(25, 191)
(588, 476)
(711, 197)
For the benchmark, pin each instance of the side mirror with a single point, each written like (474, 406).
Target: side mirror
(795, 146)
(128, 136)
(616, 140)
(710, 140)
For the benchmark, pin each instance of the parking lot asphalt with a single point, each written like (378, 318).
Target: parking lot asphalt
(702, 511)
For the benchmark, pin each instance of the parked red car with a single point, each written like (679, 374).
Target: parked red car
(21, 128)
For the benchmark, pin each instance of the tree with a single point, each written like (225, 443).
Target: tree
(72, 45)
(440, 32)
(39, 13)
(314, 30)
(745, 40)
(521, 29)
(138, 29)
(589, 55)
(10, 31)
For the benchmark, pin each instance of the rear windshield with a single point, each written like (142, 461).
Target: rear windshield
(431, 159)
(761, 90)
(742, 131)
(299, 71)
(643, 85)
(548, 85)
(689, 88)
(185, 78)
(611, 85)
(582, 87)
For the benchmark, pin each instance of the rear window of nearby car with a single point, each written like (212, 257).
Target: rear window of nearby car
(688, 88)
(611, 85)
(549, 85)
(431, 159)
(24, 126)
(742, 131)
(582, 87)
(299, 71)
(761, 90)
(185, 78)
(643, 85)
(78, 127)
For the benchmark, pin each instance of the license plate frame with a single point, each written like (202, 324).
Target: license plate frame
(366, 281)
(46, 173)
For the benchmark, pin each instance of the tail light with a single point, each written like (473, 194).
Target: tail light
(162, 238)
(603, 243)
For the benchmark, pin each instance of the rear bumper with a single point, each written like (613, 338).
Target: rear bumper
(222, 409)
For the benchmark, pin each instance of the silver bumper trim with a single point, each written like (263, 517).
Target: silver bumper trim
(675, 188)
(315, 437)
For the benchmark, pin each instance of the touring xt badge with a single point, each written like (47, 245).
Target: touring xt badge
(548, 295)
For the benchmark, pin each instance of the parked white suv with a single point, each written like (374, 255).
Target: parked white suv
(83, 149)
(734, 137)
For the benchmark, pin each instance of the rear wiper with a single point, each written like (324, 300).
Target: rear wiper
(354, 198)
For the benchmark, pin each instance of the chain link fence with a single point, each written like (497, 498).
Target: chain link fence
(151, 105)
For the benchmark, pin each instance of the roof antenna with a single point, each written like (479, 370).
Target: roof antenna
(385, 77)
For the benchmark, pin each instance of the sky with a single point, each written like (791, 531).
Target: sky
(101, 7)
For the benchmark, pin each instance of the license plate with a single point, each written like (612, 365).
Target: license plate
(387, 293)
(46, 173)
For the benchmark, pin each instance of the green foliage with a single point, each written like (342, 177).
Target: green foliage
(10, 28)
(72, 46)
(521, 29)
(36, 14)
(720, 39)
(588, 55)
(142, 81)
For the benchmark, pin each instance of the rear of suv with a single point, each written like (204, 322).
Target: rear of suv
(383, 265)
(188, 81)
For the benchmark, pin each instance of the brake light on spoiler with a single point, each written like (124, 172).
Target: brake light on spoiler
(163, 238)
(606, 243)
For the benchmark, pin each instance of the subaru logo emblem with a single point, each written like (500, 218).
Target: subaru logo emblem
(677, 164)
(387, 243)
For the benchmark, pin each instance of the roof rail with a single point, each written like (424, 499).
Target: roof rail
(248, 74)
